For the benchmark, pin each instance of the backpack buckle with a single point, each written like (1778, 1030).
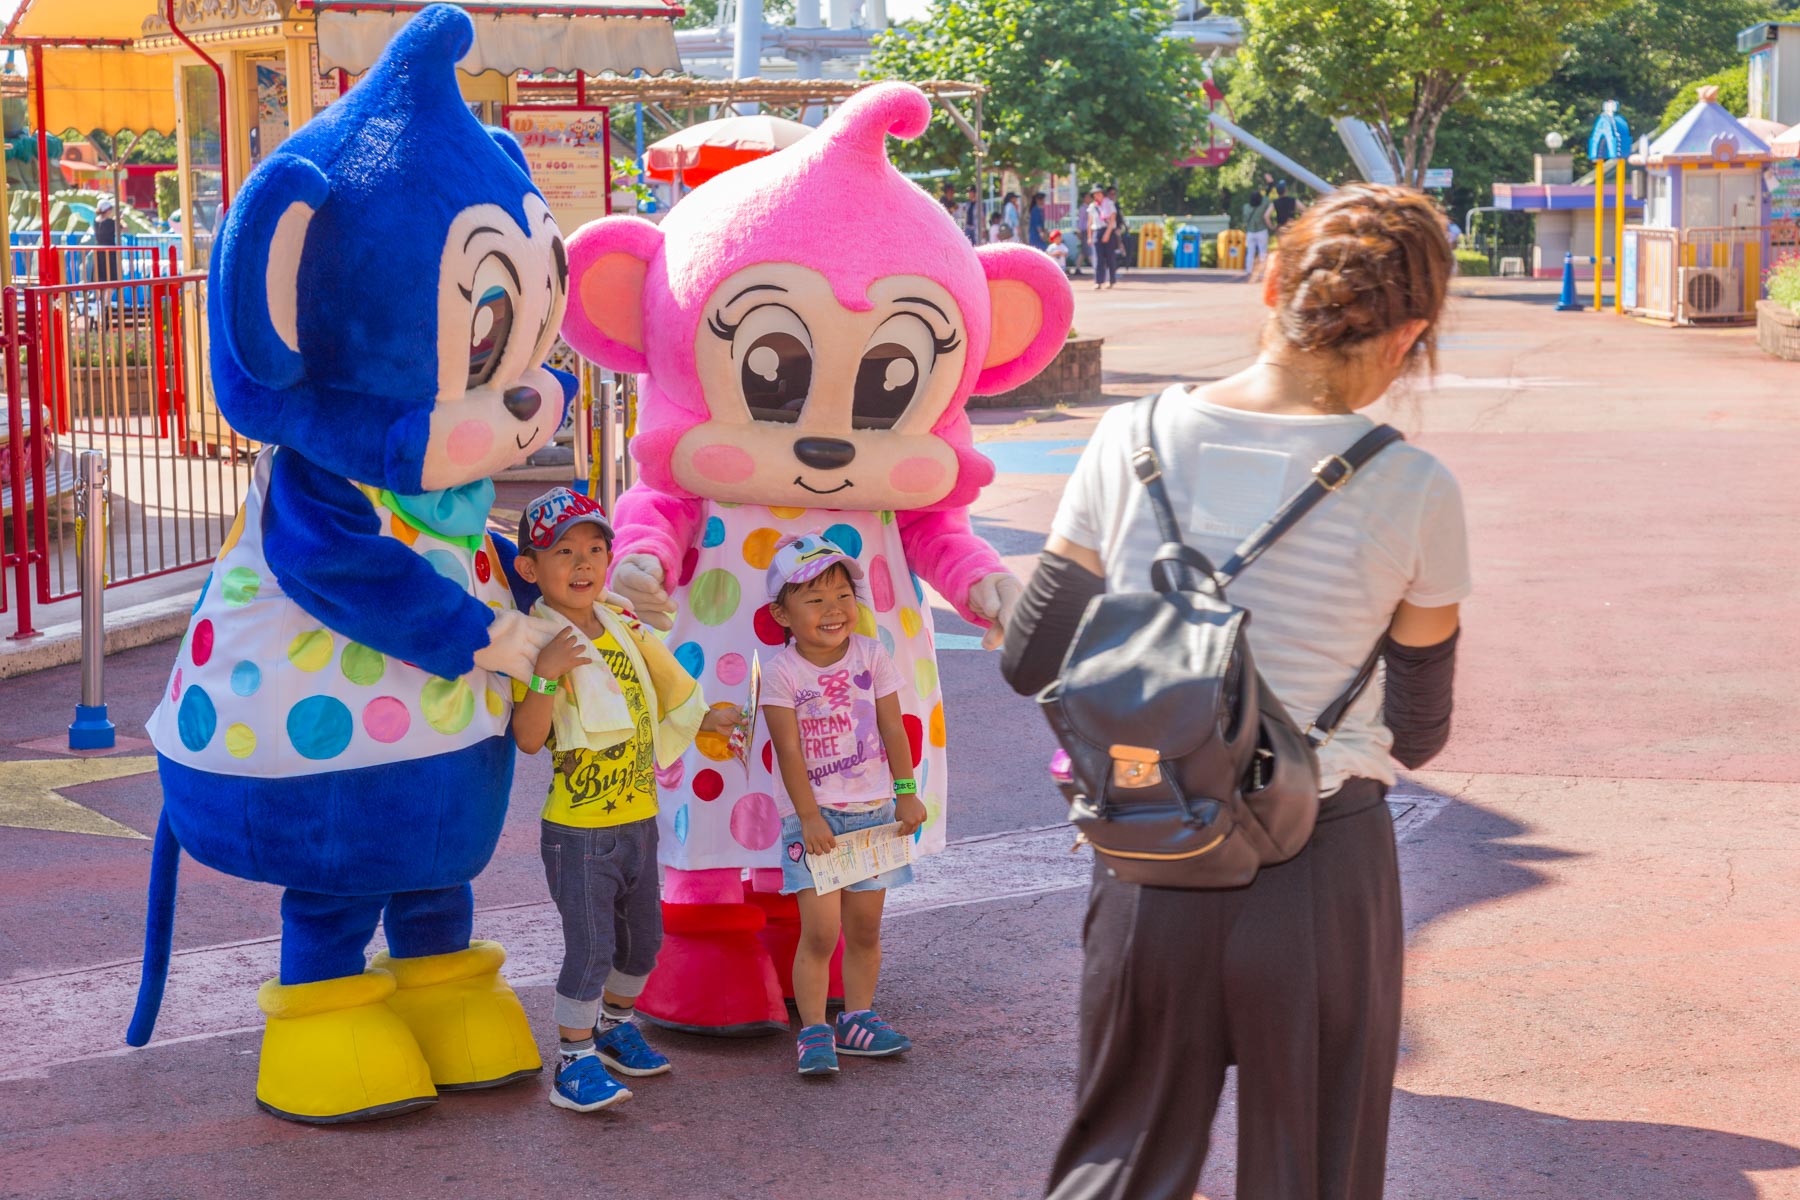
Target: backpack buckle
(1135, 766)
(1145, 465)
(1344, 472)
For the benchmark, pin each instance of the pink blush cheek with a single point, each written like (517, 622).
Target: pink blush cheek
(724, 464)
(916, 475)
(469, 442)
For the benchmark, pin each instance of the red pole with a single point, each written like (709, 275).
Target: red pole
(224, 109)
(581, 89)
(15, 458)
(48, 267)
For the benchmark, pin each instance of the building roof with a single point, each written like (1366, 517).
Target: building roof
(1702, 132)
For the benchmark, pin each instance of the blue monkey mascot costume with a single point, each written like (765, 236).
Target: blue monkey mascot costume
(383, 295)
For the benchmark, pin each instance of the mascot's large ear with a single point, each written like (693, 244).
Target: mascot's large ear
(256, 268)
(510, 144)
(609, 260)
(1030, 306)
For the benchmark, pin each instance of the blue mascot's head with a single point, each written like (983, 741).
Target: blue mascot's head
(387, 285)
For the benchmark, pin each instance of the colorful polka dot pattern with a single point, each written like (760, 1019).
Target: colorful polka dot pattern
(716, 813)
(271, 688)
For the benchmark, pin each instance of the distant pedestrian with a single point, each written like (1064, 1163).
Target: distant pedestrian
(1009, 213)
(1082, 251)
(1103, 238)
(1294, 978)
(1257, 223)
(1286, 207)
(998, 229)
(1125, 242)
(1034, 222)
(974, 218)
(106, 240)
(1057, 251)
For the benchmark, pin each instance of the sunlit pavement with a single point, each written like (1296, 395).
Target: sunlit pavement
(1601, 871)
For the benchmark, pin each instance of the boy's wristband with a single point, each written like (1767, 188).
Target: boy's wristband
(906, 787)
(542, 686)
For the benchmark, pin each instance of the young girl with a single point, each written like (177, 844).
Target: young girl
(843, 764)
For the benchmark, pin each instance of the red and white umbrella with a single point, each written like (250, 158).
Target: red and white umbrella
(699, 152)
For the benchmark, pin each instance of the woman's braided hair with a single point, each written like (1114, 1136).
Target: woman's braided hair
(1360, 263)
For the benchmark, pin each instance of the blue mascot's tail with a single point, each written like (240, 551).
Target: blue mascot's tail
(159, 932)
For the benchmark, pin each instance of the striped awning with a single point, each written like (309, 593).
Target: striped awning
(594, 38)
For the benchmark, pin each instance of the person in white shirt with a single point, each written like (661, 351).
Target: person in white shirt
(1057, 251)
(1103, 237)
(1296, 977)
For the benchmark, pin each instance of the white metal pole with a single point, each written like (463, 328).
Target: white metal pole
(91, 730)
(747, 46)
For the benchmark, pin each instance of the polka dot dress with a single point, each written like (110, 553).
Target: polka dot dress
(713, 814)
(261, 688)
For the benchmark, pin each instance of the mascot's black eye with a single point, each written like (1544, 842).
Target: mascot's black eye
(562, 263)
(887, 379)
(489, 330)
(777, 375)
(894, 370)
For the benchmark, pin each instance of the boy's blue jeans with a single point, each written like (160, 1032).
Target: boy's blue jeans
(605, 886)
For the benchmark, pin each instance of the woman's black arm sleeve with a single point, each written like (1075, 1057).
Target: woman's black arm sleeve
(1419, 699)
(1043, 623)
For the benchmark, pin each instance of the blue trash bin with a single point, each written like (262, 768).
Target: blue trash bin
(1187, 246)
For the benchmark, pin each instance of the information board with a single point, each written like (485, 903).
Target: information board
(1783, 178)
(568, 149)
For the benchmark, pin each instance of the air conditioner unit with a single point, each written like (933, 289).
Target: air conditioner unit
(1708, 293)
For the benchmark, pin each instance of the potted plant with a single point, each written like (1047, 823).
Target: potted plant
(1778, 317)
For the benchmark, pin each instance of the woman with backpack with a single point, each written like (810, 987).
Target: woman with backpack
(1294, 976)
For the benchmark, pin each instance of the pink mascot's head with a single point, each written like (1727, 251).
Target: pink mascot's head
(810, 325)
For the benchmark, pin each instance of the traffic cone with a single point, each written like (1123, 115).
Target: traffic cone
(1567, 302)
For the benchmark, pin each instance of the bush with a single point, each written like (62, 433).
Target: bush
(1784, 281)
(1472, 262)
(1209, 252)
(168, 194)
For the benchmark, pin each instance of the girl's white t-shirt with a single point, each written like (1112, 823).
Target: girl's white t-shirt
(840, 739)
(1323, 595)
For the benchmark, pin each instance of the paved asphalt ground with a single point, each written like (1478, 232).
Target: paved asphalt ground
(1600, 871)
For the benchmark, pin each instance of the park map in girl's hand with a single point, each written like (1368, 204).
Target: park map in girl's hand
(860, 855)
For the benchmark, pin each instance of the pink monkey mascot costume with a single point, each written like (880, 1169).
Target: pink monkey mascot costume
(808, 329)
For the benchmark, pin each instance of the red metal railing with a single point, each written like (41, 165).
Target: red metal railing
(119, 367)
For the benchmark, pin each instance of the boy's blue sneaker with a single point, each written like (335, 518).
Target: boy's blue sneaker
(817, 1055)
(868, 1036)
(583, 1085)
(624, 1049)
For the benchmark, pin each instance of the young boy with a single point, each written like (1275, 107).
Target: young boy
(612, 704)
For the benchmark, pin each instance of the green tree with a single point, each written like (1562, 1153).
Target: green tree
(701, 13)
(1408, 63)
(1734, 95)
(1091, 82)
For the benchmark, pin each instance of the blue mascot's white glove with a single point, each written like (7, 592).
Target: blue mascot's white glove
(514, 643)
(639, 578)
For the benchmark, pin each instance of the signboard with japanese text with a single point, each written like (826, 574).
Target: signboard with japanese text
(1783, 179)
(1438, 177)
(568, 149)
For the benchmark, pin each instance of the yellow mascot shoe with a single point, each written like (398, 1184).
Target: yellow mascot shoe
(468, 1021)
(333, 1051)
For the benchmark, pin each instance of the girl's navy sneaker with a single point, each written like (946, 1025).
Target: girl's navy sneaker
(817, 1054)
(868, 1036)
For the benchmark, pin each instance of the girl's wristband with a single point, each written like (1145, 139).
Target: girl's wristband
(906, 787)
(542, 686)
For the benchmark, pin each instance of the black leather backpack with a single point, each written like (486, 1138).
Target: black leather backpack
(1187, 771)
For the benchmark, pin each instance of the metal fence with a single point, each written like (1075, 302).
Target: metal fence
(119, 367)
(1694, 275)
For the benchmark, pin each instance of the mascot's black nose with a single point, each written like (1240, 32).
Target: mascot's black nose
(522, 402)
(824, 454)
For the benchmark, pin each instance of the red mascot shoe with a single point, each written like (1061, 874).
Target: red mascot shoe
(714, 975)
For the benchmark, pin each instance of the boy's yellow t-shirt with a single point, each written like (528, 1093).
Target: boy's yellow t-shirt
(591, 789)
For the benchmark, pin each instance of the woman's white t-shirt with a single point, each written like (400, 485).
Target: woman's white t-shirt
(1322, 595)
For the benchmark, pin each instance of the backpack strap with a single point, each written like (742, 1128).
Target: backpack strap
(1175, 559)
(1329, 474)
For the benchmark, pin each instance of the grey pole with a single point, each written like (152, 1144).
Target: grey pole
(91, 729)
